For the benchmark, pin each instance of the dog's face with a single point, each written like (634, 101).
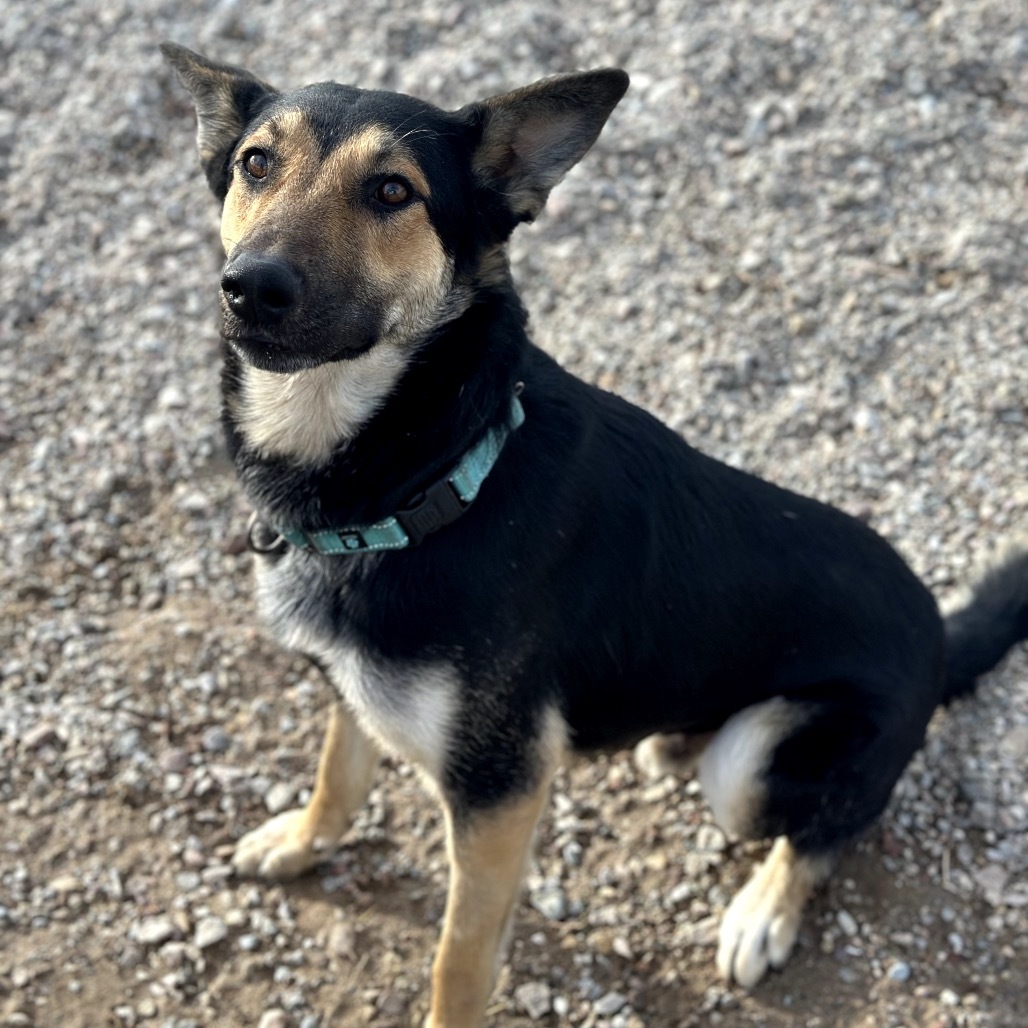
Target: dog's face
(354, 219)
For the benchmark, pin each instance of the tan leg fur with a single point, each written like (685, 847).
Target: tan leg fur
(487, 863)
(488, 855)
(296, 840)
(762, 921)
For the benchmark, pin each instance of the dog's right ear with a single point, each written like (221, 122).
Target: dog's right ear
(531, 138)
(226, 98)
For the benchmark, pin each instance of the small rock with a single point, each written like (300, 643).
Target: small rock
(20, 977)
(572, 853)
(42, 734)
(992, 879)
(710, 839)
(152, 931)
(216, 740)
(174, 760)
(534, 999)
(173, 954)
(65, 884)
(392, 1003)
(342, 940)
(899, 971)
(847, 922)
(608, 1005)
(273, 1018)
(170, 397)
(209, 932)
(551, 901)
(279, 797)
(187, 881)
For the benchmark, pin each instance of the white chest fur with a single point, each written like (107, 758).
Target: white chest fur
(407, 707)
(307, 414)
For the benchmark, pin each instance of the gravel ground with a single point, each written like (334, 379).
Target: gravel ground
(801, 240)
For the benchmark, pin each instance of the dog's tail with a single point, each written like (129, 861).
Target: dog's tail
(980, 632)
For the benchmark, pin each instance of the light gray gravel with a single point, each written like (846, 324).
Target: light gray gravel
(802, 241)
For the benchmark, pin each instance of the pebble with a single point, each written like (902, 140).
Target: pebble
(550, 900)
(609, 1004)
(42, 734)
(342, 940)
(279, 797)
(534, 999)
(847, 922)
(274, 1018)
(152, 931)
(899, 971)
(216, 740)
(174, 760)
(209, 932)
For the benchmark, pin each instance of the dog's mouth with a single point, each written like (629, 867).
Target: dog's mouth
(267, 353)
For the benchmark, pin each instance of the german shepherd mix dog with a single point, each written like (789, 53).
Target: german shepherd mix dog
(494, 562)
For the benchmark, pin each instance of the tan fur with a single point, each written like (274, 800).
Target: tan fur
(488, 855)
(308, 199)
(296, 840)
(762, 921)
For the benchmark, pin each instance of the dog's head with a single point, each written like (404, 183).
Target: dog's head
(357, 217)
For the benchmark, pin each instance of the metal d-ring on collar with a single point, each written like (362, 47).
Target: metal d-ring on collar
(262, 538)
(440, 504)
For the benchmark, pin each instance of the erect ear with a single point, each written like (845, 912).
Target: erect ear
(533, 136)
(226, 98)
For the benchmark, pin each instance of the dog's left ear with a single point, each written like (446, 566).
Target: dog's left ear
(532, 137)
(226, 98)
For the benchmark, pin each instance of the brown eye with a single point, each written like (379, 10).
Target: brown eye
(256, 163)
(392, 192)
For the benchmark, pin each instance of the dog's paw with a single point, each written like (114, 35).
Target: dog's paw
(281, 848)
(761, 924)
(668, 754)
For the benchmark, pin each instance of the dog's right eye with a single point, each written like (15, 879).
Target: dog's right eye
(255, 163)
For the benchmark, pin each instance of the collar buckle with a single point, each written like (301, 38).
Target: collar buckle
(438, 505)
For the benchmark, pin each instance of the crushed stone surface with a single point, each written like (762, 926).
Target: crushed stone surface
(801, 241)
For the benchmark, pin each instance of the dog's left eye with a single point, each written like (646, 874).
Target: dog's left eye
(255, 162)
(392, 193)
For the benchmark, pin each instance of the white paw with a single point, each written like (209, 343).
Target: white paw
(281, 848)
(762, 922)
(755, 935)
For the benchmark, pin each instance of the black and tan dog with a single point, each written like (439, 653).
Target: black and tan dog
(494, 562)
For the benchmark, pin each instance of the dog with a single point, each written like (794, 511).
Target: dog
(495, 563)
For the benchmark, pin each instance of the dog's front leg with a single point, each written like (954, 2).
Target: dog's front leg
(296, 840)
(488, 854)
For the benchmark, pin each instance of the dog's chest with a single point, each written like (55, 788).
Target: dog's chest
(408, 707)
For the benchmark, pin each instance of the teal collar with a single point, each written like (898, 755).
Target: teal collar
(442, 502)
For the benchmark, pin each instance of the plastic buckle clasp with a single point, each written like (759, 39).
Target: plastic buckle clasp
(438, 505)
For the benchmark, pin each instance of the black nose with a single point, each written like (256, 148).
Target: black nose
(261, 289)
